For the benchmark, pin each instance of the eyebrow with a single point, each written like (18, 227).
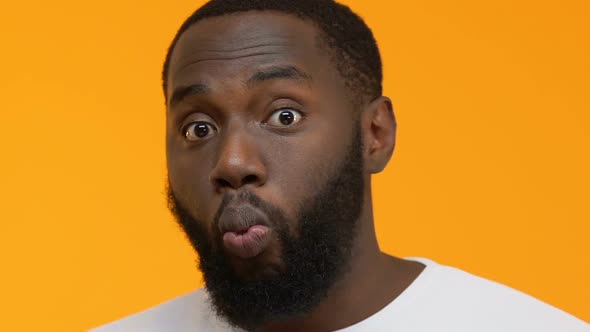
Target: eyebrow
(183, 92)
(266, 74)
(279, 72)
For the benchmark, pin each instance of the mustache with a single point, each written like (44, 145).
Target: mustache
(244, 197)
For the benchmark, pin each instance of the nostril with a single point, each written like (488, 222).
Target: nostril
(221, 183)
(250, 179)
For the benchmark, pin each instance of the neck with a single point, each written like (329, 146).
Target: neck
(372, 281)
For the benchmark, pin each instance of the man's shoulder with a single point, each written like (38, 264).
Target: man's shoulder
(453, 297)
(189, 312)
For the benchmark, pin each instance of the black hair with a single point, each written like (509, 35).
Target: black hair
(353, 48)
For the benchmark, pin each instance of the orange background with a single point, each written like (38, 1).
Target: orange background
(491, 173)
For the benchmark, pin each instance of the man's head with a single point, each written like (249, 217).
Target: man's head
(274, 125)
(340, 32)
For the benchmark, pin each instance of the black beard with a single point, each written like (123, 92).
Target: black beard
(313, 260)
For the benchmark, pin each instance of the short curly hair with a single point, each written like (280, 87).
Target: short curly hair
(350, 41)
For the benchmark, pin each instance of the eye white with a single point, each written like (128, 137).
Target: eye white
(284, 117)
(198, 131)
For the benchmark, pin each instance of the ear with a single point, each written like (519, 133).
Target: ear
(379, 128)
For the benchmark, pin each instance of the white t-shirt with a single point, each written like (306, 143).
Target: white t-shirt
(441, 299)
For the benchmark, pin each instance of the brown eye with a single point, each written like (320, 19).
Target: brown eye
(284, 117)
(198, 130)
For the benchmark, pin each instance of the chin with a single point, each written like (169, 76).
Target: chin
(267, 265)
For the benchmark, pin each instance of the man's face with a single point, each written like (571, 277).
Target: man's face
(265, 163)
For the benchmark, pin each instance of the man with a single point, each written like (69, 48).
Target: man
(275, 124)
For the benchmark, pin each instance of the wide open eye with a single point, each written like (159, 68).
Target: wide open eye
(198, 131)
(284, 117)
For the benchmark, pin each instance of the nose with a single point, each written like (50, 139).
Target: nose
(239, 164)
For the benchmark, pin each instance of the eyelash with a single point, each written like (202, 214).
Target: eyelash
(301, 114)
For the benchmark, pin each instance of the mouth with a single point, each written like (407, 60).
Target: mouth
(247, 244)
(245, 231)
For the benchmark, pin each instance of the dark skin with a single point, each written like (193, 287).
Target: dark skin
(231, 80)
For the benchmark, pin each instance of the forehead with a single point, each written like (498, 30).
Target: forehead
(216, 47)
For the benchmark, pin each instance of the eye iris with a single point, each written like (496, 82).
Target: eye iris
(286, 118)
(201, 130)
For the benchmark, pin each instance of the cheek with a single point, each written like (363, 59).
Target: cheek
(190, 183)
(299, 168)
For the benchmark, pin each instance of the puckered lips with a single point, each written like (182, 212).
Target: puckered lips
(244, 229)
